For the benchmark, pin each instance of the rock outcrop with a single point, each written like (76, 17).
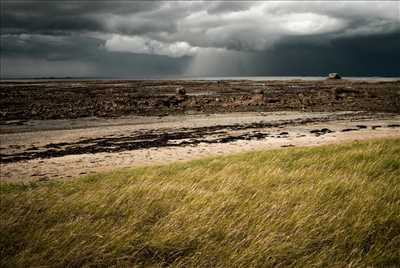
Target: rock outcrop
(72, 99)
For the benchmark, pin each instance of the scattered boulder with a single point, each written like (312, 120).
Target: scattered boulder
(271, 100)
(349, 129)
(326, 130)
(180, 95)
(334, 76)
(321, 131)
(180, 91)
(287, 145)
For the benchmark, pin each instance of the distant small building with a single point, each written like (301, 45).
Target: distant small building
(334, 76)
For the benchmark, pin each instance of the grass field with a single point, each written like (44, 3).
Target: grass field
(328, 206)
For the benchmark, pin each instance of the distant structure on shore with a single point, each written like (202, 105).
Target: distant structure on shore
(334, 76)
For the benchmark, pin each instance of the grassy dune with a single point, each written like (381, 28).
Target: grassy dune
(328, 206)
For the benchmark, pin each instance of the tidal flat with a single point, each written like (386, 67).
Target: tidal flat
(65, 129)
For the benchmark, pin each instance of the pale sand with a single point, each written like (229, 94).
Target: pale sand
(72, 166)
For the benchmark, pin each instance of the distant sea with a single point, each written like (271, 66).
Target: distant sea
(210, 78)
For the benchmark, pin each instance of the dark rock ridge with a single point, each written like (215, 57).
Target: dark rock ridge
(73, 99)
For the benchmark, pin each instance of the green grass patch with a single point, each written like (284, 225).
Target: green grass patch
(328, 206)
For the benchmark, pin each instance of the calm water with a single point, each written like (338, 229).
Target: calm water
(286, 78)
(209, 78)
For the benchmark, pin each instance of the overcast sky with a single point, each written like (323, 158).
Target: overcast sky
(199, 38)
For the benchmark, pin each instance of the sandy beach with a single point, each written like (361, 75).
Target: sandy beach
(66, 149)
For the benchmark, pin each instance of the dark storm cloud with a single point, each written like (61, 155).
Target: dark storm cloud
(50, 47)
(361, 56)
(26, 23)
(67, 16)
(201, 37)
(82, 57)
(227, 7)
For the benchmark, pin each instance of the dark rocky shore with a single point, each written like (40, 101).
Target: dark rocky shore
(74, 99)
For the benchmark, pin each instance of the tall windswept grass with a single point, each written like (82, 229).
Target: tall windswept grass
(328, 206)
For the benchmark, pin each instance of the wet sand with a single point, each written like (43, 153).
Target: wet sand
(66, 149)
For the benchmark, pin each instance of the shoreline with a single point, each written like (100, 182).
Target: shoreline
(205, 78)
(131, 142)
